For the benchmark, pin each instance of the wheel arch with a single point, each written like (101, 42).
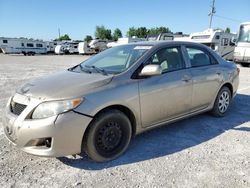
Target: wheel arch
(121, 108)
(214, 109)
(229, 86)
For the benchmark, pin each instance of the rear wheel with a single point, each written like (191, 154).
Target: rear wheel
(222, 102)
(29, 53)
(108, 136)
(245, 64)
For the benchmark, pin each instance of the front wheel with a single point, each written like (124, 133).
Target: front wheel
(108, 136)
(222, 102)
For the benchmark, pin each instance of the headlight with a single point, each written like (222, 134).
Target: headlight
(48, 109)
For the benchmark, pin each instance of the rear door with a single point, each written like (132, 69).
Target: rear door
(207, 77)
(168, 95)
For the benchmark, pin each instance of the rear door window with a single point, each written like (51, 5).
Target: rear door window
(199, 57)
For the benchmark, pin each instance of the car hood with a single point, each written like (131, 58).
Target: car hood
(63, 85)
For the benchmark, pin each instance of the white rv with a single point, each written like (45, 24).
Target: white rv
(69, 47)
(242, 50)
(221, 42)
(59, 49)
(125, 40)
(98, 45)
(51, 45)
(178, 36)
(160, 37)
(84, 48)
(22, 46)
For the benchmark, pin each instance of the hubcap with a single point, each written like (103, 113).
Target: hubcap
(109, 137)
(224, 101)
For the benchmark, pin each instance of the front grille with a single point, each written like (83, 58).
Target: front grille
(17, 108)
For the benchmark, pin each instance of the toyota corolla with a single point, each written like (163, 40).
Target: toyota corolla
(99, 104)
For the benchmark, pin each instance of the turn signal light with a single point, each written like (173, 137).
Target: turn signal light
(238, 70)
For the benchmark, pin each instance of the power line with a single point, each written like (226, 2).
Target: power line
(226, 18)
(212, 13)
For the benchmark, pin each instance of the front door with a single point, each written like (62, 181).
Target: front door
(168, 95)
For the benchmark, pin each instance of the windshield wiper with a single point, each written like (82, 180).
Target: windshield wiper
(83, 69)
(98, 69)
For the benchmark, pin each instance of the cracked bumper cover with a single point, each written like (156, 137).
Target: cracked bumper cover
(65, 130)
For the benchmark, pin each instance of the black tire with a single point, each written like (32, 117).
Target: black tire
(108, 136)
(222, 102)
(245, 64)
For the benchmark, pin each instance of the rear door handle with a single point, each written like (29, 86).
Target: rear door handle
(186, 78)
(218, 73)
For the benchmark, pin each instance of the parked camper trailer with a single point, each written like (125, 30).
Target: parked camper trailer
(69, 47)
(59, 49)
(160, 37)
(51, 45)
(242, 50)
(22, 46)
(124, 40)
(98, 45)
(166, 36)
(84, 48)
(221, 42)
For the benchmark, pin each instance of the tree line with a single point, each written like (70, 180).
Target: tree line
(102, 32)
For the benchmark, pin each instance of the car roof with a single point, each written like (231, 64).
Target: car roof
(165, 43)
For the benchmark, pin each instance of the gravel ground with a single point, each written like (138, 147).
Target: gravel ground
(202, 151)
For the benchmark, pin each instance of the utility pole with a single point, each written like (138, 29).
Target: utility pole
(59, 34)
(211, 14)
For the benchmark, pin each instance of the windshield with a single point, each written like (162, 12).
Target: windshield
(244, 34)
(114, 60)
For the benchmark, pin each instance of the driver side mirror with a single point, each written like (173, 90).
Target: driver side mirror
(151, 70)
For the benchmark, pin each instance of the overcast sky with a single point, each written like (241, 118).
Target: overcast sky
(41, 19)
